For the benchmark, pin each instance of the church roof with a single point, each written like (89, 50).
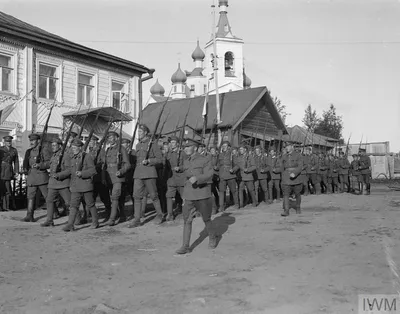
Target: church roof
(179, 76)
(235, 107)
(196, 72)
(223, 27)
(198, 54)
(11, 26)
(157, 89)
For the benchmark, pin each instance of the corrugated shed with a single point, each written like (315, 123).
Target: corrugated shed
(301, 135)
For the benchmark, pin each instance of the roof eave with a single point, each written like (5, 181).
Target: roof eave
(75, 48)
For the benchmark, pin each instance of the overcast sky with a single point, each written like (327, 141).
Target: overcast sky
(306, 52)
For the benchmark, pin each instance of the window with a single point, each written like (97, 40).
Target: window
(48, 81)
(85, 89)
(175, 89)
(229, 64)
(192, 87)
(118, 95)
(6, 73)
(205, 89)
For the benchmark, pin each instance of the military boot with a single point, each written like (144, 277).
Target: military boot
(6, 203)
(95, 220)
(113, 216)
(213, 238)
(286, 207)
(187, 231)
(365, 189)
(137, 209)
(361, 188)
(368, 189)
(170, 215)
(107, 211)
(159, 219)
(50, 215)
(298, 204)
(29, 212)
(143, 208)
(73, 212)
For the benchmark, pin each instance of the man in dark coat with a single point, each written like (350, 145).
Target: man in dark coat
(9, 171)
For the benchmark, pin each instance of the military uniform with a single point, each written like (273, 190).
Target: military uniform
(274, 164)
(344, 166)
(145, 177)
(322, 174)
(81, 186)
(215, 181)
(365, 168)
(356, 177)
(197, 196)
(312, 166)
(9, 168)
(246, 165)
(112, 165)
(304, 177)
(227, 176)
(261, 176)
(176, 179)
(38, 177)
(292, 164)
(333, 175)
(58, 183)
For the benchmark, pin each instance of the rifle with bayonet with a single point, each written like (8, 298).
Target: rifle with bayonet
(102, 141)
(119, 156)
(182, 134)
(86, 116)
(46, 126)
(347, 146)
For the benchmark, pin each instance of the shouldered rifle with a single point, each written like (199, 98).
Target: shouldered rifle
(134, 131)
(86, 116)
(153, 136)
(182, 135)
(103, 140)
(119, 157)
(347, 146)
(58, 169)
(46, 126)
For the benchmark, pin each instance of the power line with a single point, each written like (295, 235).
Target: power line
(247, 43)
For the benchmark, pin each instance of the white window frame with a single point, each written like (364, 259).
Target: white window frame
(14, 77)
(95, 90)
(124, 90)
(59, 72)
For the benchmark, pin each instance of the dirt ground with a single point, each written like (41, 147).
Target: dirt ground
(316, 262)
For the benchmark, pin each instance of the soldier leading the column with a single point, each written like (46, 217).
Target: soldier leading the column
(9, 171)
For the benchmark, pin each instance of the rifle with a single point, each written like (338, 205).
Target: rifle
(347, 146)
(166, 118)
(58, 169)
(362, 135)
(103, 140)
(211, 131)
(119, 157)
(181, 135)
(86, 116)
(46, 126)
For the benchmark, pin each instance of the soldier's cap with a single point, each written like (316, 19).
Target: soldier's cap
(341, 152)
(77, 142)
(8, 138)
(112, 133)
(201, 144)
(362, 150)
(73, 134)
(174, 138)
(34, 136)
(354, 155)
(243, 145)
(226, 142)
(258, 147)
(144, 128)
(191, 142)
(94, 138)
(235, 148)
(57, 141)
(126, 140)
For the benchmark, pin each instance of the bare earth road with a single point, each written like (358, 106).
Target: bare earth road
(316, 262)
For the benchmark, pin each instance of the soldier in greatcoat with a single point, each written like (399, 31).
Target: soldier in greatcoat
(213, 155)
(176, 179)
(116, 165)
(246, 165)
(356, 177)
(35, 165)
(58, 182)
(274, 164)
(127, 187)
(322, 174)
(344, 166)
(9, 171)
(333, 174)
(291, 167)
(197, 194)
(145, 176)
(262, 169)
(227, 175)
(365, 168)
(311, 170)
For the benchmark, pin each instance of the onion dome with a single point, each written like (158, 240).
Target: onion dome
(246, 81)
(157, 89)
(198, 54)
(223, 2)
(179, 76)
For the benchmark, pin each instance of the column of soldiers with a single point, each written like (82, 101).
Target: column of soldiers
(241, 177)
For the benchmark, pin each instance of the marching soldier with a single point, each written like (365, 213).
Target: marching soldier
(128, 185)
(58, 182)
(227, 175)
(82, 171)
(116, 164)
(312, 171)
(303, 175)
(322, 174)
(356, 177)
(274, 164)
(333, 174)
(214, 187)
(9, 171)
(35, 165)
(261, 172)
(365, 168)
(246, 164)
(176, 178)
(292, 166)
(145, 176)
(344, 166)
(197, 194)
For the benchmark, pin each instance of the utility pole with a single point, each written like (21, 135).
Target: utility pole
(215, 66)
